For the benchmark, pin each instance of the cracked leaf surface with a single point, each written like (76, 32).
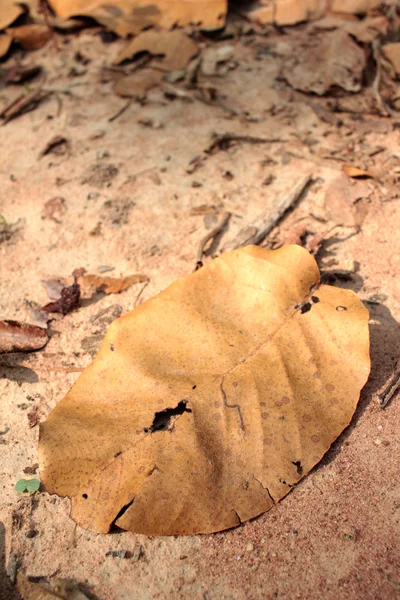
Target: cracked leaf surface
(210, 401)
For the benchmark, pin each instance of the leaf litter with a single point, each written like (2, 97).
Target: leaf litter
(208, 403)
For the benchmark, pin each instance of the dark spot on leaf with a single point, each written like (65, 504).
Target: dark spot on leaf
(194, 387)
(84, 496)
(306, 307)
(118, 454)
(297, 464)
(112, 348)
(315, 299)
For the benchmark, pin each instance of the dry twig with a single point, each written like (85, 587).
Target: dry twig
(392, 387)
(210, 236)
(254, 234)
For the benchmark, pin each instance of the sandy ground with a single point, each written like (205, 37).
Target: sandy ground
(129, 199)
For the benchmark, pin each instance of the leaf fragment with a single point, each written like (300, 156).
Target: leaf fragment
(176, 48)
(355, 172)
(21, 337)
(208, 403)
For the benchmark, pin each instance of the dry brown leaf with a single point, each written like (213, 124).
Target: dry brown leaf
(334, 61)
(176, 47)
(131, 16)
(9, 12)
(286, 12)
(354, 7)
(367, 30)
(109, 285)
(209, 402)
(5, 43)
(356, 172)
(137, 84)
(392, 53)
(21, 337)
(31, 37)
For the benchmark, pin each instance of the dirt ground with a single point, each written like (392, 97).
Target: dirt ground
(139, 193)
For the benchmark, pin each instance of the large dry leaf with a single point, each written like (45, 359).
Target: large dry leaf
(335, 61)
(176, 48)
(131, 16)
(209, 402)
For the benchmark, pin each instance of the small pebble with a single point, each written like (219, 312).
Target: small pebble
(250, 547)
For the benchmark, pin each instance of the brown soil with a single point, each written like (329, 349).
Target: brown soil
(129, 187)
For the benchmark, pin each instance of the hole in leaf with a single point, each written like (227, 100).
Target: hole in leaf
(164, 420)
(305, 308)
(297, 464)
(84, 496)
(341, 308)
(315, 299)
(194, 387)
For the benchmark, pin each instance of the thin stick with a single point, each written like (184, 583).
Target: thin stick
(210, 236)
(391, 388)
(120, 112)
(252, 234)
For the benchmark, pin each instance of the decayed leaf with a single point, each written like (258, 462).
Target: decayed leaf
(69, 300)
(32, 36)
(335, 61)
(392, 53)
(109, 285)
(176, 48)
(5, 43)
(209, 402)
(137, 84)
(131, 16)
(21, 337)
(356, 172)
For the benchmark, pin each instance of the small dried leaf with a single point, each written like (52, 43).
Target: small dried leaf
(21, 337)
(31, 37)
(392, 53)
(5, 43)
(69, 300)
(10, 11)
(356, 172)
(57, 144)
(53, 288)
(110, 285)
(354, 7)
(137, 84)
(206, 404)
(286, 12)
(54, 209)
(335, 60)
(176, 47)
